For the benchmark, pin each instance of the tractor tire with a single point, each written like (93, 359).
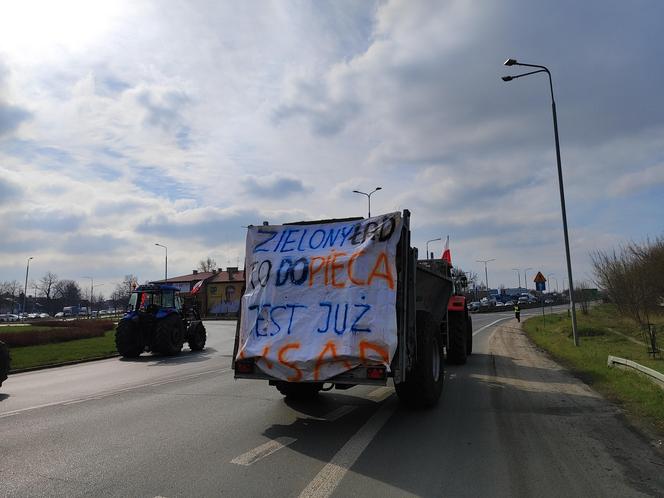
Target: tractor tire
(299, 390)
(196, 336)
(168, 335)
(128, 339)
(4, 362)
(469, 335)
(457, 348)
(424, 383)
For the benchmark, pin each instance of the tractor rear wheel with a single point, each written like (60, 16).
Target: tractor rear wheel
(424, 383)
(457, 347)
(196, 336)
(169, 335)
(299, 390)
(469, 335)
(128, 339)
(4, 362)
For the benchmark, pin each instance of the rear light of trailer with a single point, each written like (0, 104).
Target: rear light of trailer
(244, 366)
(376, 373)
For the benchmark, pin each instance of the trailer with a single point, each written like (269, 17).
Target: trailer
(345, 302)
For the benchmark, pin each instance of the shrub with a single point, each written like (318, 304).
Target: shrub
(58, 331)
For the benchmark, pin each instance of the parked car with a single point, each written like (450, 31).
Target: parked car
(509, 303)
(59, 314)
(499, 304)
(474, 306)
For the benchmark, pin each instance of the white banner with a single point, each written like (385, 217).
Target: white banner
(320, 299)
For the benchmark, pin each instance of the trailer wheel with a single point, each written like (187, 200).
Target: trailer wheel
(128, 340)
(425, 383)
(299, 390)
(457, 347)
(169, 335)
(4, 362)
(469, 335)
(196, 336)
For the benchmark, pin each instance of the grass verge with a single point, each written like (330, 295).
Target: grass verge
(642, 399)
(50, 354)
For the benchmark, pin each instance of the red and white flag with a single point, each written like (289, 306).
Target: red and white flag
(447, 255)
(197, 287)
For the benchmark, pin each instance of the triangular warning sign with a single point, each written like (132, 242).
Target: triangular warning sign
(539, 278)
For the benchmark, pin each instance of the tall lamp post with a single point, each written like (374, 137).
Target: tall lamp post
(518, 274)
(486, 273)
(92, 290)
(544, 69)
(525, 277)
(25, 288)
(432, 240)
(368, 196)
(165, 262)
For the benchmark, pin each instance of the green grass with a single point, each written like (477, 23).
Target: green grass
(642, 399)
(49, 354)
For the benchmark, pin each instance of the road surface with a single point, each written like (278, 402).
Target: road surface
(510, 423)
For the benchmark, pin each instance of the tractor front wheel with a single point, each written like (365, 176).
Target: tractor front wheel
(4, 362)
(128, 339)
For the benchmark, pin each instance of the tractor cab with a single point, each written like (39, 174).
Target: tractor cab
(155, 299)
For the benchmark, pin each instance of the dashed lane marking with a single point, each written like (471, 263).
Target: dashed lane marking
(329, 477)
(381, 393)
(262, 451)
(339, 412)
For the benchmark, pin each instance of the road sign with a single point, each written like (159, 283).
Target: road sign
(539, 278)
(540, 286)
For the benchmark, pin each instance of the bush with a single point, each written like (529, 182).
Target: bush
(57, 331)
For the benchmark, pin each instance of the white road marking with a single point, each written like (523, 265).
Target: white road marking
(111, 393)
(381, 393)
(263, 451)
(492, 323)
(500, 320)
(326, 481)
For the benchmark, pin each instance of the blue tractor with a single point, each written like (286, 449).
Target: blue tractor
(158, 320)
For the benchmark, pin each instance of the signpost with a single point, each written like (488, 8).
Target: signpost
(540, 286)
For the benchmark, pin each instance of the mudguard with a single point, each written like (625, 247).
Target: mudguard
(456, 303)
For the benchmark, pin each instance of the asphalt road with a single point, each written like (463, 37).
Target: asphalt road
(510, 423)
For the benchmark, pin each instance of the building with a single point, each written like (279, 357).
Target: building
(220, 293)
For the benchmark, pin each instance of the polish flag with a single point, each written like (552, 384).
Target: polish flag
(447, 255)
(197, 287)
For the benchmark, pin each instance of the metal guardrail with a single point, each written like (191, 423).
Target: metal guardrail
(656, 376)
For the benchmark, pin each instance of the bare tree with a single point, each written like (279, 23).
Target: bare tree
(46, 285)
(208, 264)
(582, 295)
(122, 292)
(11, 289)
(68, 292)
(632, 278)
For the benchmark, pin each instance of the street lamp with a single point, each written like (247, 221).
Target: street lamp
(525, 277)
(368, 196)
(92, 290)
(518, 274)
(544, 69)
(486, 273)
(25, 288)
(432, 240)
(165, 262)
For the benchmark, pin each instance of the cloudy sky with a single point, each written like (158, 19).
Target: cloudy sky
(123, 124)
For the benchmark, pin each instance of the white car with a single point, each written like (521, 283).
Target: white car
(59, 314)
